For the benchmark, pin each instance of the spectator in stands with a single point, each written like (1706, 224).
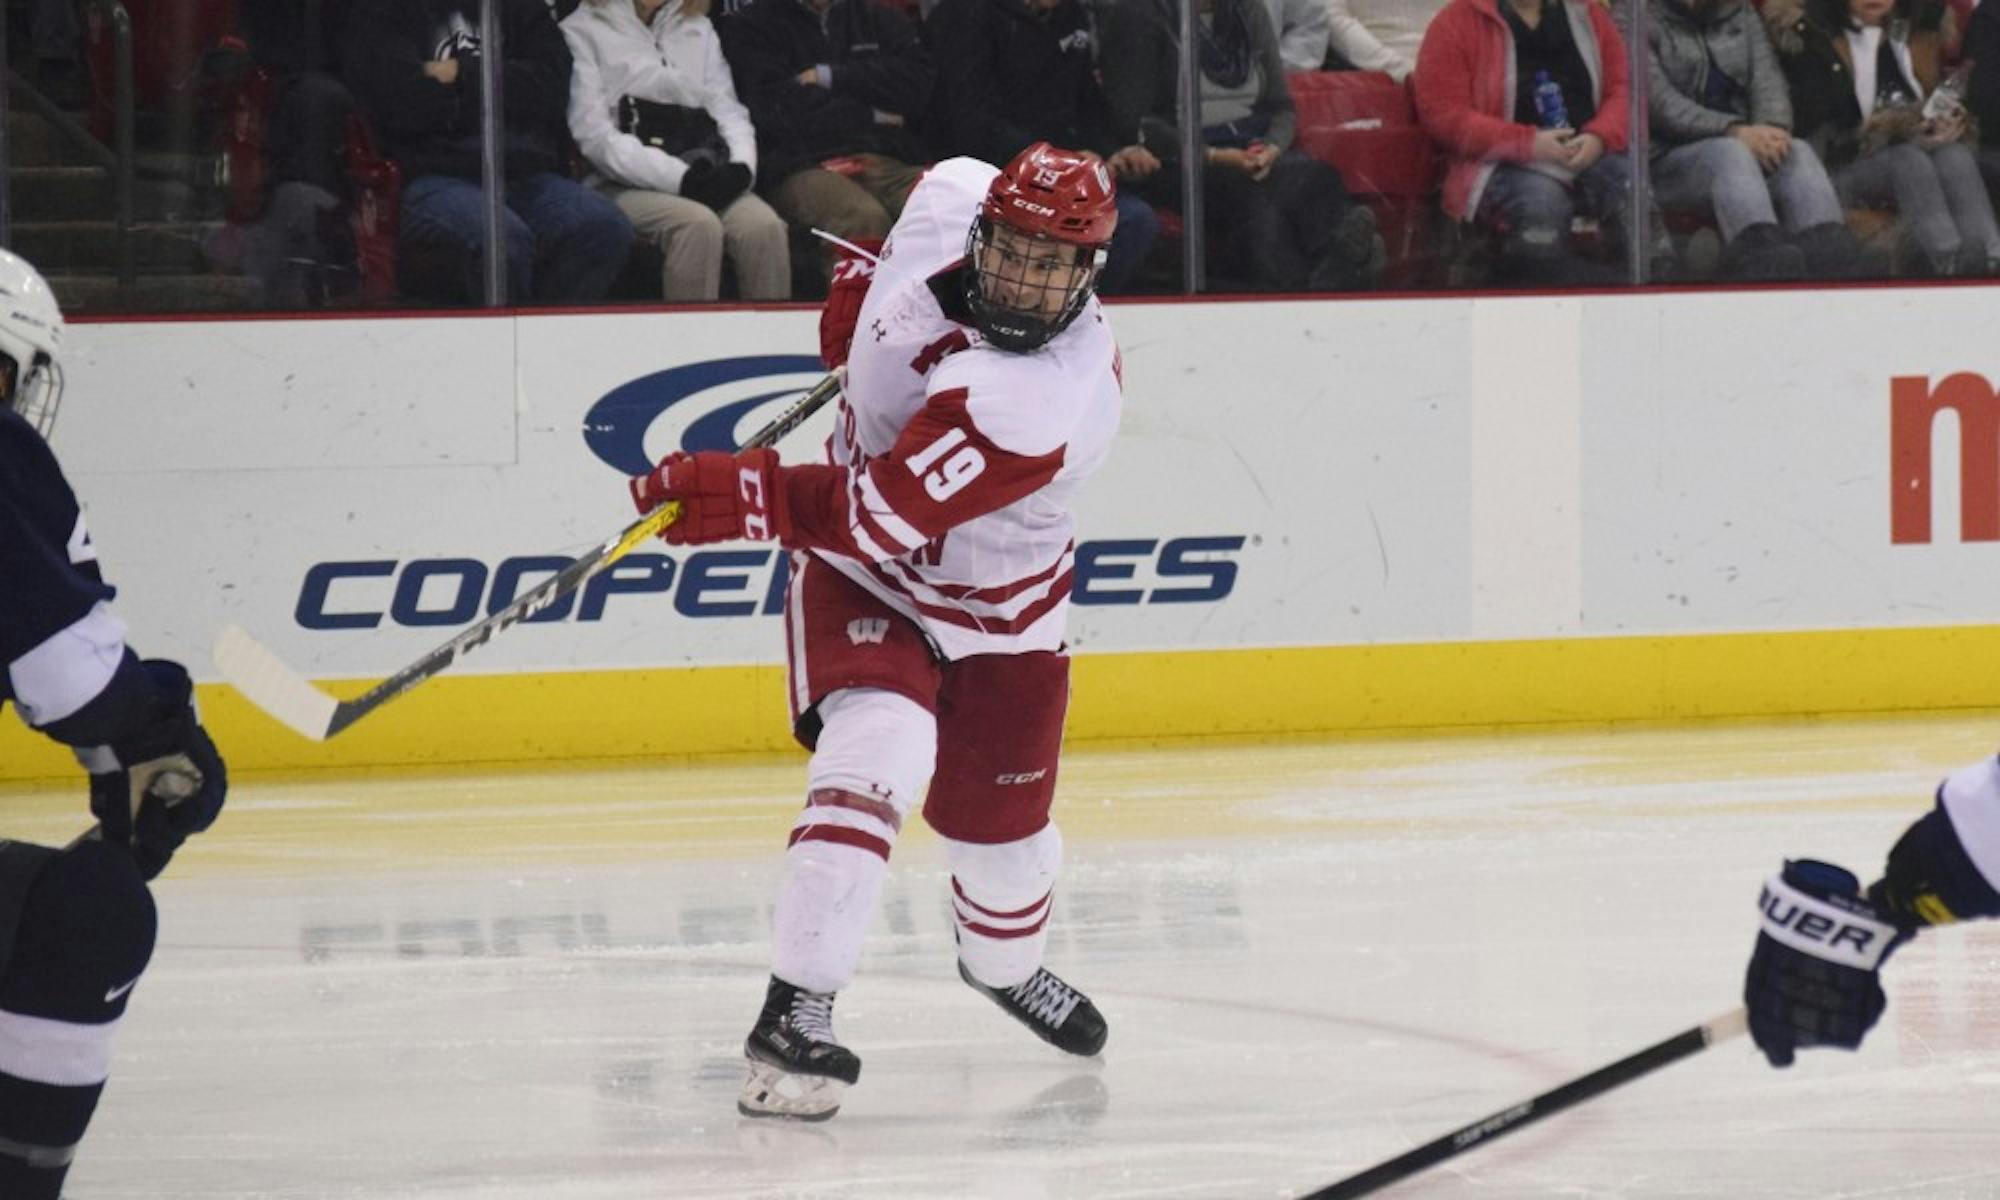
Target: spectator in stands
(1380, 35)
(837, 89)
(299, 246)
(1981, 49)
(1861, 72)
(1275, 218)
(1529, 100)
(656, 116)
(311, 106)
(1017, 72)
(56, 37)
(414, 67)
(1304, 30)
(1722, 142)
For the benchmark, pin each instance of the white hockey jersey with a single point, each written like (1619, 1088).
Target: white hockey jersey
(961, 461)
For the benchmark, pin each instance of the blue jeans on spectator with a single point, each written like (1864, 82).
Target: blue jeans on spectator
(1720, 174)
(565, 243)
(1138, 225)
(1532, 211)
(1939, 195)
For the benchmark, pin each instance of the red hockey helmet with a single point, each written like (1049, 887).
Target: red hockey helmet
(1055, 194)
(1038, 244)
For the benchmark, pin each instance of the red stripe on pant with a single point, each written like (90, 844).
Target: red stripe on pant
(843, 835)
(1001, 934)
(997, 915)
(836, 798)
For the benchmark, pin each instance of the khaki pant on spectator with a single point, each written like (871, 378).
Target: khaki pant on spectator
(693, 237)
(858, 206)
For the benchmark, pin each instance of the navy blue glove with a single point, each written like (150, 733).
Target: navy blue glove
(162, 779)
(1931, 878)
(1814, 975)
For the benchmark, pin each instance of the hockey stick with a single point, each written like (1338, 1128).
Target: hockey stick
(1507, 1120)
(170, 787)
(285, 694)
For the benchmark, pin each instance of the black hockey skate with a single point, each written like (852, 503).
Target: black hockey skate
(797, 1070)
(1058, 1013)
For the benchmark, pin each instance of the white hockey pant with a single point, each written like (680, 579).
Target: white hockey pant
(875, 754)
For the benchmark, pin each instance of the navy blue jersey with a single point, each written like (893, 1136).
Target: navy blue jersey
(49, 580)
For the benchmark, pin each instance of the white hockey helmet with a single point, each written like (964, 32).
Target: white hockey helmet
(31, 334)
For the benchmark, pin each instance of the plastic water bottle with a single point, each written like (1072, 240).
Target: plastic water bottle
(1949, 99)
(1549, 106)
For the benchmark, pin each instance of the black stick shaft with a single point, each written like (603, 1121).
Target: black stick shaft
(1507, 1120)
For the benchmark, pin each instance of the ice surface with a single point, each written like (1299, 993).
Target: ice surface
(1313, 957)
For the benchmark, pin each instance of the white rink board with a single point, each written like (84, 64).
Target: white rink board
(1397, 471)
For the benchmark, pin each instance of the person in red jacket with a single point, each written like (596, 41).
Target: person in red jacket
(1529, 99)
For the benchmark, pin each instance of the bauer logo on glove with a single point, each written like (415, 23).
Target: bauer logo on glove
(1823, 928)
(1814, 977)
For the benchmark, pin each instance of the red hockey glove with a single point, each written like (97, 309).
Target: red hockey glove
(723, 496)
(851, 275)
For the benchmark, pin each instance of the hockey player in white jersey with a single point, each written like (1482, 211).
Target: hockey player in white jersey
(76, 924)
(1814, 976)
(933, 557)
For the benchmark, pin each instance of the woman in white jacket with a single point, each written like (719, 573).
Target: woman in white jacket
(667, 52)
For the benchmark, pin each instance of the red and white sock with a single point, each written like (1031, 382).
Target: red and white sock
(875, 754)
(1000, 900)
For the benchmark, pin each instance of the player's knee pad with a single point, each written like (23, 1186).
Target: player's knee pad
(874, 755)
(83, 926)
(1000, 899)
(826, 902)
(85, 933)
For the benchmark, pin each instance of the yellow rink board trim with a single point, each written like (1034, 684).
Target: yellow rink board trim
(464, 721)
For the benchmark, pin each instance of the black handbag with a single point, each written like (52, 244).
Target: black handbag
(689, 134)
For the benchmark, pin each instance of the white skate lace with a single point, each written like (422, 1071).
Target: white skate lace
(812, 1015)
(1048, 999)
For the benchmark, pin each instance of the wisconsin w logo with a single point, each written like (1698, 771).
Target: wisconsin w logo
(867, 629)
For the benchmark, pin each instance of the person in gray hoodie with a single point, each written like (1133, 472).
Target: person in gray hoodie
(1721, 122)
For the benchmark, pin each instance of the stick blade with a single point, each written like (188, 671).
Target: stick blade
(261, 676)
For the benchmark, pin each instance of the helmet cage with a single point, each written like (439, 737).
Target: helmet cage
(36, 394)
(31, 336)
(1028, 323)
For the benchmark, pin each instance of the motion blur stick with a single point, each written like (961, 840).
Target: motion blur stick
(1507, 1120)
(171, 786)
(285, 694)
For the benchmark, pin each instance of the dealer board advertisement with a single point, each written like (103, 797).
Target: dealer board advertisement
(1363, 474)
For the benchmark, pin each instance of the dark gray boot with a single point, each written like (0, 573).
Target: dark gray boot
(1761, 253)
(1832, 251)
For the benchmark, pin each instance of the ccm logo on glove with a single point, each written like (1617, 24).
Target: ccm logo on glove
(756, 519)
(722, 496)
